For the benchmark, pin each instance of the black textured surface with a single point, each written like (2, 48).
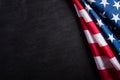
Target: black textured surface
(42, 40)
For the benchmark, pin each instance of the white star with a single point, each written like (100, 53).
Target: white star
(115, 18)
(91, 1)
(104, 2)
(111, 38)
(103, 14)
(116, 4)
(99, 22)
(88, 7)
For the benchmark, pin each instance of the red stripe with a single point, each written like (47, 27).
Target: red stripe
(84, 26)
(95, 49)
(107, 51)
(109, 74)
(92, 27)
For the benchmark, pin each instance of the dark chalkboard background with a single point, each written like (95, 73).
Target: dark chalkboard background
(43, 40)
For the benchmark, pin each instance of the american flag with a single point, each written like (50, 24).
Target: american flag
(97, 18)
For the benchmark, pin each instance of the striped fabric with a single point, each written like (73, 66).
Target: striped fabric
(106, 62)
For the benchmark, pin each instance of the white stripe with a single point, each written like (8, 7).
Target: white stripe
(102, 62)
(77, 10)
(85, 15)
(89, 36)
(99, 63)
(115, 63)
(100, 40)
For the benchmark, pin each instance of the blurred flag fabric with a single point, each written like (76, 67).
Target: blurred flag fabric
(109, 9)
(107, 33)
(98, 19)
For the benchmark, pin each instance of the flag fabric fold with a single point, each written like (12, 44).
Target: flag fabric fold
(109, 36)
(107, 64)
(110, 9)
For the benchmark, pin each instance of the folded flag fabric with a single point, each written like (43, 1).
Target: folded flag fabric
(107, 33)
(109, 9)
(106, 62)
